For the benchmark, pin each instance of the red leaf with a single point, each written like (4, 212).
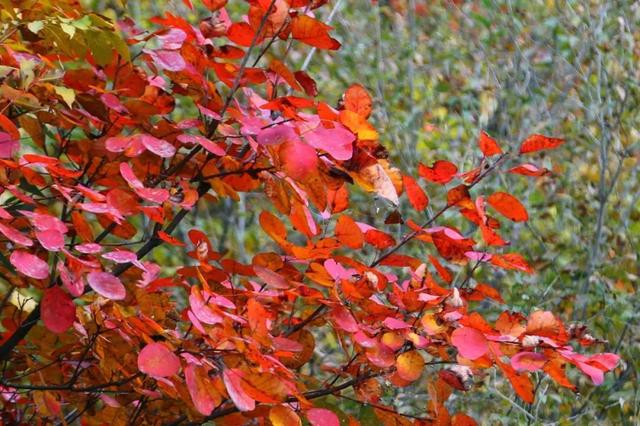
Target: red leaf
(170, 239)
(322, 417)
(313, 32)
(107, 285)
(539, 142)
(158, 360)
(233, 382)
(488, 145)
(529, 170)
(57, 310)
(417, 196)
(241, 33)
(508, 206)
(29, 264)
(441, 172)
(379, 239)
(307, 83)
(299, 160)
(214, 5)
(470, 342)
(9, 127)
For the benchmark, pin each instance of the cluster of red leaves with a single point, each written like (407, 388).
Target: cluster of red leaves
(106, 157)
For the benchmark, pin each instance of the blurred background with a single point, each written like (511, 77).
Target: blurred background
(441, 71)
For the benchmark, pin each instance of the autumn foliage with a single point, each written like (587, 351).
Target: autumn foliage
(96, 172)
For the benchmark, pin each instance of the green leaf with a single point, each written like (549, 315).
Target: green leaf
(35, 26)
(67, 94)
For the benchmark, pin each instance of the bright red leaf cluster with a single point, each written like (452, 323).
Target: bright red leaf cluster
(92, 149)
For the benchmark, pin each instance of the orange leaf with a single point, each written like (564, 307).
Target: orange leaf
(410, 365)
(417, 196)
(488, 145)
(284, 72)
(348, 232)
(521, 382)
(281, 415)
(511, 261)
(539, 142)
(358, 100)
(461, 419)
(508, 206)
(313, 32)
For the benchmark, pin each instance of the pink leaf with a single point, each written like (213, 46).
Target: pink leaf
(201, 309)
(528, 361)
(196, 384)
(276, 135)
(8, 145)
(72, 283)
(117, 143)
(157, 360)
(395, 324)
(127, 173)
(159, 147)
(207, 144)
(173, 39)
(15, 236)
(232, 380)
(338, 142)
(107, 285)
(29, 265)
(169, 60)
(51, 239)
(344, 320)
(322, 417)
(57, 310)
(271, 278)
(154, 195)
(89, 248)
(470, 342)
(45, 221)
